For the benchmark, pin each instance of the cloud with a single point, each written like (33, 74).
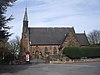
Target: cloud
(51, 10)
(65, 12)
(19, 1)
(82, 14)
(50, 19)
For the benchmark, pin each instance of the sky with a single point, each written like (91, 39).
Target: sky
(83, 15)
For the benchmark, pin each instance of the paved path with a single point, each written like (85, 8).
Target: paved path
(90, 68)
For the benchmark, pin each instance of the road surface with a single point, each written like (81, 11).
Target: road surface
(89, 68)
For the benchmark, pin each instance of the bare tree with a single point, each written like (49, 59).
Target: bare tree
(15, 44)
(94, 37)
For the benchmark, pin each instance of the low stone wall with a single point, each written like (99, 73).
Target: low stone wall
(74, 60)
(90, 60)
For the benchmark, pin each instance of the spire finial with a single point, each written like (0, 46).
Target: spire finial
(25, 15)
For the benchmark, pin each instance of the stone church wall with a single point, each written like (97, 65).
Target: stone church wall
(51, 49)
(70, 40)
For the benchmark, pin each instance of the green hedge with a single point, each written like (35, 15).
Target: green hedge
(74, 52)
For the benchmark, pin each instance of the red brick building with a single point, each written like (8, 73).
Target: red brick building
(49, 40)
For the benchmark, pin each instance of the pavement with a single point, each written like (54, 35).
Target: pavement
(88, 68)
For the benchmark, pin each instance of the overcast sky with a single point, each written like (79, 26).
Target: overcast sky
(80, 14)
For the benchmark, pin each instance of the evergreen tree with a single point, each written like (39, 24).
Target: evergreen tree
(4, 33)
(4, 30)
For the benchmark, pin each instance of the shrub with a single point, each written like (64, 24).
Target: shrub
(87, 52)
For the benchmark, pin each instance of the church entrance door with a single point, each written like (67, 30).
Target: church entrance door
(38, 57)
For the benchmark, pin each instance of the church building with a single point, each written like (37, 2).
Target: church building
(49, 40)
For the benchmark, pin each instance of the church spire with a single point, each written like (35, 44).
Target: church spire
(25, 22)
(25, 15)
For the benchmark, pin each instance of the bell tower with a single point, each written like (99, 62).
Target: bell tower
(25, 33)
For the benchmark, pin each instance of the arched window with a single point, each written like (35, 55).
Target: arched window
(36, 48)
(46, 50)
(55, 50)
(70, 45)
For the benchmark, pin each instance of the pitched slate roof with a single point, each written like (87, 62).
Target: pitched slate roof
(50, 36)
(39, 36)
(82, 39)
